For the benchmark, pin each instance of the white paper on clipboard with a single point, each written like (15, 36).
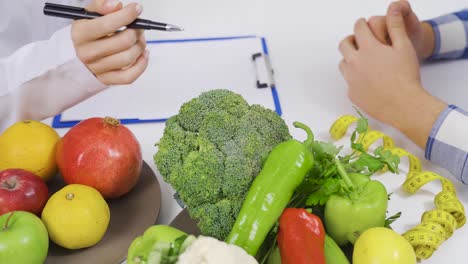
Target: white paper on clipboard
(181, 70)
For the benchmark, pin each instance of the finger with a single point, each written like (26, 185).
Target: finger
(93, 51)
(406, 9)
(103, 26)
(342, 66)
(396, 24)
(348, 48)
(378, 26)
(118, 61)
(126, 76)
(364, 35)
(104, 7)
(411, 19)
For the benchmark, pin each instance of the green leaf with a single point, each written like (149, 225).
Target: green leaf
(362, 125)
(321, 149)
(353, 137)
(388, 158)
(358, 147)
(368, 163)
(321, 196)
(392, 219)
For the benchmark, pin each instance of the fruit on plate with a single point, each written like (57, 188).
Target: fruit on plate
(381, 245)
(22, 190)
(101, 153)
(29, 145)
(77, 216)
(23, 238)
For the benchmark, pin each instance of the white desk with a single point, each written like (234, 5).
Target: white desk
(303, 36)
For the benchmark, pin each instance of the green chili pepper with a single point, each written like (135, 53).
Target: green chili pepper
(361, 205)
(283, 171)
(142, 246)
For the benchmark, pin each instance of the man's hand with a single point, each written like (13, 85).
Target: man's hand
(113, 57)
(421, 34)
(384, 81)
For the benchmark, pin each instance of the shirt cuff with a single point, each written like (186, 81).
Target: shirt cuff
(447, 145)
(78, 72)
(450, 33)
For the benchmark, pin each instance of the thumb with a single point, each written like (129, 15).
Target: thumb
(104, 7)
(396, 24)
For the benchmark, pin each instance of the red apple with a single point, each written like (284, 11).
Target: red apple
(101, 153)
(22, 190)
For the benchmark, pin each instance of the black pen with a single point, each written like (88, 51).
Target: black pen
(73, 12)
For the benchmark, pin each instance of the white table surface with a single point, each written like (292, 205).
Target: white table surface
(303, 36)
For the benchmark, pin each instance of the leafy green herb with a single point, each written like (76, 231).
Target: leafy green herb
(325, 149)
(325, 173)
(320, 197)
(392, 219)
(386, 156)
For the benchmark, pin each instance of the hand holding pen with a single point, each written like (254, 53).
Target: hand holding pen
(114, 57)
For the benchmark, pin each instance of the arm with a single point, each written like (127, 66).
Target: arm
(44, 78)
(384, 81)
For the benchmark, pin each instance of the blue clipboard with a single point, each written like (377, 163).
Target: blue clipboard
(264, 82)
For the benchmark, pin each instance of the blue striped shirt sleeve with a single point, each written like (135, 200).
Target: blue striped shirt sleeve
(451, 36)
(447, 145)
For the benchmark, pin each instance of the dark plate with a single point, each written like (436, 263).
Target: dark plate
(183, 222)
(131, 215)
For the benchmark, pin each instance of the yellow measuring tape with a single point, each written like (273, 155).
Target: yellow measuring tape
(436, 225)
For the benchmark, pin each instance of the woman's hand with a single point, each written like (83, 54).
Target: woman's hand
(113, 57)
(384, 81)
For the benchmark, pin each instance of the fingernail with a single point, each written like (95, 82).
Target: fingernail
(111, 3)
(139, 9)
(395, 9)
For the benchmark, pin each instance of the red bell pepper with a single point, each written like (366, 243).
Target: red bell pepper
(301, 237)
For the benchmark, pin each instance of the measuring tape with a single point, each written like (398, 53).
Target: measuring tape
(436, 225)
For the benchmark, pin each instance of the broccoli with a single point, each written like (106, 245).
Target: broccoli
(212, 150)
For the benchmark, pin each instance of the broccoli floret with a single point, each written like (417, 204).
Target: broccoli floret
(212, 150)
(215, 219)
(219, 128)
(203, 167)
(238, 175)
(172, 154)
(192, 113)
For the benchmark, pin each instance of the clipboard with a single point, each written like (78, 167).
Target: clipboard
(180, 70)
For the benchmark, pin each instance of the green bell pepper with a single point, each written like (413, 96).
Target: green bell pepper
(283, 171)
(361, 205)
(142, 246)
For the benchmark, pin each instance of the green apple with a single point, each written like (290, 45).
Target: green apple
(23, 238)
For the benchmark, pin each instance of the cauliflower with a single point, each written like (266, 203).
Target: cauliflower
(208, 250)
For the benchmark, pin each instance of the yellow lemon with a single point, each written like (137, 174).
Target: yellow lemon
(29, 145)
(76, 216)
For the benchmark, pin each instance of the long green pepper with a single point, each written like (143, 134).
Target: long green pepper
(283, 171)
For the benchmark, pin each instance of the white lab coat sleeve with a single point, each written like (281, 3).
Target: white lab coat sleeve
(42, 79)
